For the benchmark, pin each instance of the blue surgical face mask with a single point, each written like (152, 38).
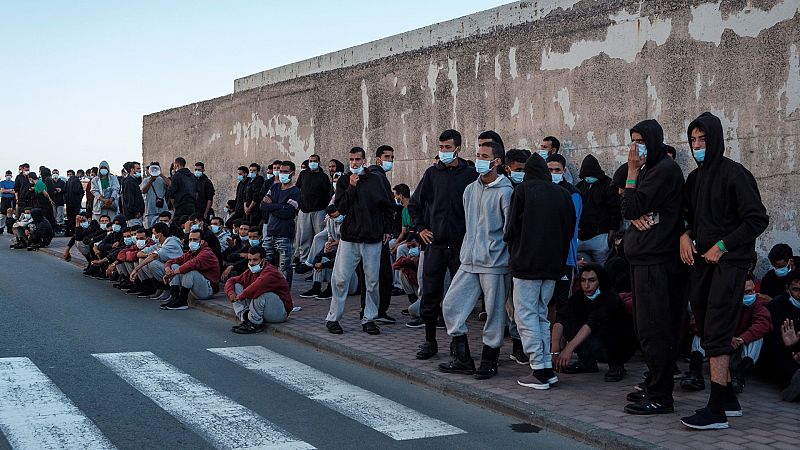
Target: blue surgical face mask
(414, 251)
(103, 172)
(357, 171)
(284, 177)
(590, 180)
(84, 224)
(313, 165)
(387, 166)
(483, 167)
(198, 174)
(129, 240)
(558, 177)
(699, 154)
(252, 174)
(782, 271)
(215, 229)
(195, 227)
(140, 243)
(794, 302)
(138, 174)
(116, 228)
(517, 177)
(447, 157)
(276, 173)
(544, 154)
(749, 299)
(255, 269)
(398, 202)
(254, 242)
(642, 149)
(240, 178)
(339, 218)
(594, 295)
(194, 246)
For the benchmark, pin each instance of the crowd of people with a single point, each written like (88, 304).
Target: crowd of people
(576, 271)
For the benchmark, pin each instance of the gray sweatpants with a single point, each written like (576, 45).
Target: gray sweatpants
(308, 225)
(317, 245)
(154, 269)
(462, 296)
(595, 249)
(123, 269)
(530, 313)
(266, 307)
(198, 285)
(348, 256)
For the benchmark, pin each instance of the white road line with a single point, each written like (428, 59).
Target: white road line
(379, 413)
(221, 421)
(35, 414)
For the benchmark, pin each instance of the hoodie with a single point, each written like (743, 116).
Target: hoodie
(658, 191)
(183, 191)
(132, 200)
(486, 208)
(203, 260)
(97, 191)
(42, 232)
(367, 207)
(315, 190)
(601, 203)
(541, 225)
(722, 200)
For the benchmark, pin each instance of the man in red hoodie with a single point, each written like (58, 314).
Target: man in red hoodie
(196, 271)
(259, 295)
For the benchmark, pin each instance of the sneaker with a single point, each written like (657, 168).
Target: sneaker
(326, 294)
(641, 387)
(164, 297)
(405, 312)
(416, 323)
(147, 293)
(334, 327)
(704, 419)
(311, 293)
(536, 380)
(733, 408)
(693, 382)
(647, 407)
(520, 357)
(157, 295)
(440, 324)
(240, 325)
(385, 319)
(551, 376)
(249, 328)
(428, 350)
(635, 396)
(579, 367)
(302, 268)
(738, 384)
(175, 305)
(370, 328)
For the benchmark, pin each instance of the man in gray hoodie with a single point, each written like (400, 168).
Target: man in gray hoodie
(484, 265)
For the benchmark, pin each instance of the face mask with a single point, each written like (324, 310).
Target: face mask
(252, 174)
(276, 173)
(195, 227)
(284, 178)
(398, 202)
(749, 299)
(26, 216)
(8, 178)
(794, 302)
(557, 177)
(699, 154)
(140, 243)
(413, 251)
(594, 295)
(483, 167)
(194, 246)
(590, 180)
(387, 166)
(26, 172)
(240, 178)
(544, 154)
(642, 149)
(215, 229)
(138, 174)
(357, 171)
(84, 224)
(155, 171)
(339, 218)
(447, 157)
(255, 269)
(116, 228)
(254, 242)
(517, 177)
(55, 176)
(783, 271)
(198, 174)
(313, 165)
(129, 240)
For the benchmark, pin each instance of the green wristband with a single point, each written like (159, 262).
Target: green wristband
(630, 182)
(721, 246)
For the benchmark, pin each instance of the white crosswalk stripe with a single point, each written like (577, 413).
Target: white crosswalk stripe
(386, 416)
(35, 414)
(221, 421)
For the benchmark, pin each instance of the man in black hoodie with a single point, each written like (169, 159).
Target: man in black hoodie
(40, 231)
(437, 210)
(315, 195)
(241, 192)
(601, 212)
(73, 195)
(540, 229)
(724, 216)
(182, 189)
(132, 200)
(205, 192)
(366, 203)
(252, 202)
(22, 188)
(652, 201)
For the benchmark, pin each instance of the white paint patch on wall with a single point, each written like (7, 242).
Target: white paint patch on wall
(433, 74)
(758, 94)
(515, 107)
(512, 62)
(405, 137)
(562, 98)
(498, 71)
(425, 143)
(530, 111)
(403, 90)
(707, 23)
(452, 75)
(624, 40)
(593, 144)
(364, 113)
(477, 63)
(278, 129)
(791, 89)
(730, 129)
(214, 137)
(652, 95)
(698, 85)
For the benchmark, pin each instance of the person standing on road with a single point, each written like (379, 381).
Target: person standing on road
(73, 195)
(132, 201)
(105, 192)
(205, 192)
(724, 216)
(154, 188)
(252, 204)
(7, 199)
(437, 209)
(182, 189)
(315, 195)
(59, 186)
(22, 188)
(652, 202)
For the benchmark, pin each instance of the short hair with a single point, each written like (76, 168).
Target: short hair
(154, 163)
(33, 175)
(290, 164)
(793, 277)
(277, 161)
(139, 229)
(195, 216)
(161, 228)
(8, 172)
(339, 165)
(331, 209)
(553, 141)
(218, 218)
(87, 214)
(257, 166)
(254, 229)
(239, 222)
(231, 202)
(200, 164)
(195, 231)
(314, 156)
(555, 157)
(383, 149)
(25, 165)
(497, 150)
(127, 229)
(451, 134)
(128, 166)
(780, 252)
(166, 214)
(181, 161)
(355, 150)
(491, 134)
(80, 172)
(403, 190)
(516, 155)
(101, 216)
(242, 168)
(258, 250)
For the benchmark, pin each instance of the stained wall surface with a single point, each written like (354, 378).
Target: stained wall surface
(582, 70)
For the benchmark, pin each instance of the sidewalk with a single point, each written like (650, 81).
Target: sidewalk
(581, 406)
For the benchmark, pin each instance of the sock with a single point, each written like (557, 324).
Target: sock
(730, 395)
(430, 330)
(716, 401)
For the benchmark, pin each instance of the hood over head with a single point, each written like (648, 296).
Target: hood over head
(590, 167)
(103, 164)
(119, 218)
(620, 176)
(37, 215)
(653, 136)
(536, 169)
(715, 142)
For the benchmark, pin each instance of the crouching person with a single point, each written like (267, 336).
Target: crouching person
(195, 272)
(260, 295)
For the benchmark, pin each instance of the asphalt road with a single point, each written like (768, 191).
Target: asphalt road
(83, 365)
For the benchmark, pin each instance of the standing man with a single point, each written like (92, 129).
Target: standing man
(315, 195)
(552, 146)
(367, 206)
(652, 202)
(205, 192)
(280, 211)
(22, 188)
(484, 265)
(7, 199)
(724, 216)
(105, 192)
(59, 186)
(437, 209)
(252, 203)
(154, 188)
(540, 229)
(600, 216)
(132, 200)
(73, 195)
(384, 162)
(183, 189)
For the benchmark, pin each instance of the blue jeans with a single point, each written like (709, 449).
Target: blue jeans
(284, 247)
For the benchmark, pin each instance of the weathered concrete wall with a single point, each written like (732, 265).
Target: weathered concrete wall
(584, 71)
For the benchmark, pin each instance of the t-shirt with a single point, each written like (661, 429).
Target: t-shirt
(7, 185)
(405, 218)
(104, 183)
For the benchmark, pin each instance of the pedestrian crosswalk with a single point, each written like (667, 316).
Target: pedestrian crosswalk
(36, 414)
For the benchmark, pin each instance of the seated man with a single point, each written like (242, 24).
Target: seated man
(113, 240)
(407, 267)
(196, 271)
(20, 227)
(236, 262)
(773, 283)
(324, 242)
(754, 324)
(40, 231)
(195, 223)
(174, 228)
(129, 256)
(150, 269)
(780, 356)
(84, 228)
(237, 239)
(90, 240)
(259, 295)
(223, 235)
(595, 326)
(110, 261)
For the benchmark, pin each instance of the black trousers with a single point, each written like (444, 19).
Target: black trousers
(69, 219)
(657, 308)
(385, 283)
(716, 292)
(614, 345)
(438, 261)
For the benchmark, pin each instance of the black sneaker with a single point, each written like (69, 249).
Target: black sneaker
(704, 419)
(405, 312)
(334, 327)
(147, 293)
(520, 357)
(551, 376)
(647, 407)
(370, 328)
(440, 324)
(733, 408)
(615, 374)
(737, 382)
(385, 318)
(416, 323)
(693, 382)
(635, 396)
(311, 293)
(579, 367)
(428, 350)
(302, 268)
(482, 316)
(327, 294)
(244, 323)
(175, 305)
(249, 328)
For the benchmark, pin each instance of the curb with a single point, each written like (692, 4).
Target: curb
(549, 420)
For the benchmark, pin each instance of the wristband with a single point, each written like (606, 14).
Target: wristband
(630, 182)
(556, 353)
(721, 246)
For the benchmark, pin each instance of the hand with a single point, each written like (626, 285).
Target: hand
(97, 262)
(562, 360)
(109, 270)
(132, 277)
(267, 199)
(796, 357)
(168, 272)
(634, 161)
(226, 273)
(426, 236)
(115, 245)
(386, 238)
(353, 179)
(789, 336)
(642, 223)
(687, 250)
(317, 266)
(247, 210)
(328, 247)
(234, 298)
(713, 255)
(736, 342)
(293, 203)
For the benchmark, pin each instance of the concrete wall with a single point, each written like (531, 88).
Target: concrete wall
(584, 71)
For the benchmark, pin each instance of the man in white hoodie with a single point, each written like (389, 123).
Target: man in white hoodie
(484, 265)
